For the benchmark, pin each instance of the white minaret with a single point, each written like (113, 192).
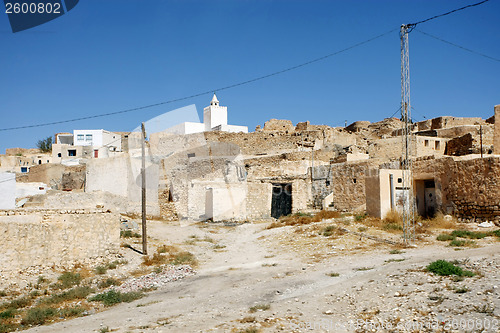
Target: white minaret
(214, 115)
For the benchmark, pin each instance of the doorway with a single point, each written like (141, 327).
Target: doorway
(281, 204)
(426, 197)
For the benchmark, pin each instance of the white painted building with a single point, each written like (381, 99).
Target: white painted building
(214, 119)
(7, 190)
(97, 139)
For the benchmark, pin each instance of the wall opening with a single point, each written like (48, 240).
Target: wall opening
(426, 197)
(281, 204)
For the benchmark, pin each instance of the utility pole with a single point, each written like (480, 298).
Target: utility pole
(143, 177)
(406, 162)
(481, 138)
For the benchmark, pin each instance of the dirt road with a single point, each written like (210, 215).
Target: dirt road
(254, 266)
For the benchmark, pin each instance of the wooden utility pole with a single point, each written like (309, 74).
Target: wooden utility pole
(143, 176)
(481, 138)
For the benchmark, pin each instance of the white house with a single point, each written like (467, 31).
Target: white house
(8, 190)
(97, 139)
(69, 148)
(214, 119)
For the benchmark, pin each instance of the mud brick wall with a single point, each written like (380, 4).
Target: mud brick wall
(57, 238)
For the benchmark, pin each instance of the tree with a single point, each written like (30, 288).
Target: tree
(45, 145)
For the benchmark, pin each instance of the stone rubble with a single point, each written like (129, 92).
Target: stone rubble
(154, 280)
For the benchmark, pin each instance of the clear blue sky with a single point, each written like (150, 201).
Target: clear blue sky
(106, 56)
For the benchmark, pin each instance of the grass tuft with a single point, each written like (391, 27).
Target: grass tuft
(38, 316)
(69, 295)
(68, 280)
(259, 307)
(114, 297)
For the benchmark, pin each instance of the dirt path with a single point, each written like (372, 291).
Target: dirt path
(253, 268)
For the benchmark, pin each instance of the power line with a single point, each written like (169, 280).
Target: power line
(208, 91)
(447, 13)
(460, 47)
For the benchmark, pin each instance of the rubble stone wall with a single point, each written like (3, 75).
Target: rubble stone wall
(345, 180)
(447, 121)
(467, 188)
(58, 238)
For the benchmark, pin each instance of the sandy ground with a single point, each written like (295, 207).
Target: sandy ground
(294, 271)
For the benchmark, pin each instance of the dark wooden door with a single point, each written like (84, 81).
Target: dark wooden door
(281, 204)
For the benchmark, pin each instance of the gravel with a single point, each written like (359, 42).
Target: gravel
(155, 280)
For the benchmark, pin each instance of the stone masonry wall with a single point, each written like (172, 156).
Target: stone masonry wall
(469, 188)
(345, 180)
(55, 238)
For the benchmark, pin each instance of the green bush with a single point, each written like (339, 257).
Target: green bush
(6, 328)
(114, 297)
(468, 234)
(457, 242)
(108, 283)
(129, 234)
(69, 279)
(9, 313)
(101, 270)
(38, 316)
(360, 217)
(71, 312)
(72, 294)
(392, 226)
(496, 233)
(328, 231)
(16, 303)
(445, 237)
(444, 268)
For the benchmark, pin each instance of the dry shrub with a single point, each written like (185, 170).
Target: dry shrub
(326, 214)
(168, 254)
(393, 217)
(302, 218)
(440, 222)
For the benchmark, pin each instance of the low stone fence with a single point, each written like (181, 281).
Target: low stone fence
(48, 238)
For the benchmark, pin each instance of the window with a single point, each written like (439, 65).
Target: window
(71, 152)
(88, 137)
(79, 137)
(24, 169)
(426, 143)
(58, 154)
(438, 145)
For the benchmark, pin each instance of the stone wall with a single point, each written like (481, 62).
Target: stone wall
(447, 122)
(279, 125)
(468, 188)
(57, 238)
(346, 181)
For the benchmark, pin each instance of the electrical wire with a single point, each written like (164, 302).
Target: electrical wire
(458, 46)
(208, 91)
(447, 13)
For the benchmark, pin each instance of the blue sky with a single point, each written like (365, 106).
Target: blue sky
(107, 56)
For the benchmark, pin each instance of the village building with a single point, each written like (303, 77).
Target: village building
(214, 119)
